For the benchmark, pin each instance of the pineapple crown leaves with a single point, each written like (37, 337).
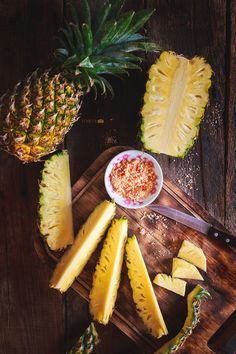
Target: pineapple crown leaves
(94, 46)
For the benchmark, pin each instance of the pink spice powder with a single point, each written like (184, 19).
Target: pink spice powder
(133, 179)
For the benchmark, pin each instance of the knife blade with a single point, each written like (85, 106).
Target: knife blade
(194, 223)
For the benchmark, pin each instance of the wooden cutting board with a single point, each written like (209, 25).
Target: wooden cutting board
(159, 240)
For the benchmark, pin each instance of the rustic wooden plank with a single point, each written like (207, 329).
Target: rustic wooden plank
(31, 314)
(230, 208)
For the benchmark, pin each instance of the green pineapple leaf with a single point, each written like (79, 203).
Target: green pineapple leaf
(88, 39)
(103, 43)
(86, 12)
(79, 40)
(116, 8)
(139, 19)
(101, 19)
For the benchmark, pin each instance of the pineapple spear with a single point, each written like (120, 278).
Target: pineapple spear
(37, 113)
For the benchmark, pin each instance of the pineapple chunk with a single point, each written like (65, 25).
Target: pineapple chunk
(106, 278)
(88, 237)
(55, 211)
(166, 281)
(174, 103)
(193, 254)
(183, 269)
(143, 293)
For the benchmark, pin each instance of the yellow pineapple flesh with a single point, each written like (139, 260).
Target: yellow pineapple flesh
(184, 269)
(106, 278)
(193, 254)
(175, 285)
(88, 237)
(143, 294)
(174, 103)
(55, 212)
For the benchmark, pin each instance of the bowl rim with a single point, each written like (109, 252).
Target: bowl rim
(158, 171)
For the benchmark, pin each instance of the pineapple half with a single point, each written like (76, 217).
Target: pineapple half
(36, 114)
(186, 270)
(193, 254)
(178, 286)
(87, 239)
(174, 103)
(106, 278)
(143, 293)
(55, 204)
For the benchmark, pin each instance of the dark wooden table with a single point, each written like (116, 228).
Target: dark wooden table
(33, 318)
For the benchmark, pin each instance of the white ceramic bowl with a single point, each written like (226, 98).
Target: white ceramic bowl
(132, 154)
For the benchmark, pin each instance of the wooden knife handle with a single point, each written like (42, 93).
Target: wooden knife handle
(228, 239)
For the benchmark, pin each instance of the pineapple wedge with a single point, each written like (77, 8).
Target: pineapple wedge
(143, 293)
(55, 205)
(174, 103)
(183, 269)
(106, 278)
(178, 286)
(88, 237)
(193, 254)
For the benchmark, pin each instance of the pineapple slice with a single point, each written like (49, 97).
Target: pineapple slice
(178, 286)
(143, 293)
(106, 278)
(55, 211)
(183, 269)
(174, 103)
(193, 254)
(88, 237)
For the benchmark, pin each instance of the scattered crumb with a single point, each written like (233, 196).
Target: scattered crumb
(214, 119)
(142, 231)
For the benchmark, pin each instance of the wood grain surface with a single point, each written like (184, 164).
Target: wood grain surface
(159, 244)
(33, 318)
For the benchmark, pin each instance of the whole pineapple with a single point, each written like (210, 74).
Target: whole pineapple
(37, 113)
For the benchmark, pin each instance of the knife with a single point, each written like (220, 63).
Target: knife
(194, 223)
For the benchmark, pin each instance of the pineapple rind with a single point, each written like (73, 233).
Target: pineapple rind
(184, 269)
(143, 294)
(106, 278)
(87, 239)
(158, 133)
(87, 342)
(193, 254)
(175, 285)
(194, 301)
(55, 210)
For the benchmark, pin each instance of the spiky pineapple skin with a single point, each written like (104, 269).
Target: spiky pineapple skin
(194, 300)
(36, 114)
(87, 342)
